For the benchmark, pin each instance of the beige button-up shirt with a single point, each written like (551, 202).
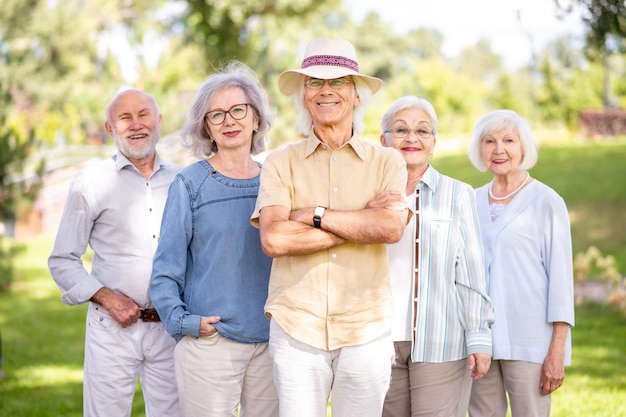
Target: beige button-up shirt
(339, 296)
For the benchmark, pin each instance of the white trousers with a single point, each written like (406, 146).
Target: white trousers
(304, 376)
(215, 375)
(115, 356)
(520, 380)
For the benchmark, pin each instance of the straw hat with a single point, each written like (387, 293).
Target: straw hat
(326, 59)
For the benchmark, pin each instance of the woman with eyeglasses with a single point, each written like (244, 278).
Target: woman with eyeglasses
(210, 276)
(443, 315)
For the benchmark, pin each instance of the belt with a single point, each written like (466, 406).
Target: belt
(150, 315)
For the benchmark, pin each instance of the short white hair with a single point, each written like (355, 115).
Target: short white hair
(496, 121)
(411, 103)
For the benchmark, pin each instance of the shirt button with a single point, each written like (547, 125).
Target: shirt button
(334, 189)
(334, 256)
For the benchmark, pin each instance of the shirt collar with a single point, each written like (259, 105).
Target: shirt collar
(121, 161)
(429, 179)
(313, 142)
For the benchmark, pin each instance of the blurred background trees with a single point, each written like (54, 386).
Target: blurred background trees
(62, 60)
(606, 36)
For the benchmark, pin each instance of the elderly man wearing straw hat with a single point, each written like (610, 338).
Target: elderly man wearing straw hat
(329, 298)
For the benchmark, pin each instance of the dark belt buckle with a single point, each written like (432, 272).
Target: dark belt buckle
(150, 315)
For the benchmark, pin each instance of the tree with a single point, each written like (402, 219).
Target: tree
(480, 62)
(606, 22)
(229, 30)
(14, 150)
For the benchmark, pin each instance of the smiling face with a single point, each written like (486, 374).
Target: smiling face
(331, 106)
(501, 151)
(134, 122)
(232, 133)
(415, 149)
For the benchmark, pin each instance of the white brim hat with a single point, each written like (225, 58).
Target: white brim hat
(326, 59)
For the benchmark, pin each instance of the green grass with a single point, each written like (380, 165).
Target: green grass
(43, 339)
(42, 343)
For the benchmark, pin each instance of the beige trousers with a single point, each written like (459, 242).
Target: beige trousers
(216, 375)
(517, 379)
(422, 389)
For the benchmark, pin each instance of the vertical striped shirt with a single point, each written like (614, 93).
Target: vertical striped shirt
(454, 312)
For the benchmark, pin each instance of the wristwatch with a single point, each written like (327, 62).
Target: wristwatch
(317, 216)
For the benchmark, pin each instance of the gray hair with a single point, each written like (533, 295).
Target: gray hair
(496, 121)
(409, 102)
(305, 121)
(235, 74)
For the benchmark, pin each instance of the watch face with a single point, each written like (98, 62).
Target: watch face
(319, 211)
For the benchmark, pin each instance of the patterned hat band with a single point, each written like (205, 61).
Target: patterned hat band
(332, 60)
(328, 59)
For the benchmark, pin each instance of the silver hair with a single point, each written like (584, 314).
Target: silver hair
(107, 111)
(409, 102)
(496, 121)
(236, 74)
(305, 121)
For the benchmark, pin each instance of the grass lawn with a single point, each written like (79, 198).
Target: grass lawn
(42, 339)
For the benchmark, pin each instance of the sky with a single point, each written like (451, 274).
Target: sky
(464, 22)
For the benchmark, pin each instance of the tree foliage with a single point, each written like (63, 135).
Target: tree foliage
(606, 35)
(14, 149)
(228, 30)
(604, 18)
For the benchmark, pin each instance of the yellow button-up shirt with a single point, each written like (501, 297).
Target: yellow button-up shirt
(339, 296)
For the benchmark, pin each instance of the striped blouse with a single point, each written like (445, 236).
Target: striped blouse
(453, 312)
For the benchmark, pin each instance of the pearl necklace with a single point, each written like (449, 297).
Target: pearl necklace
(515, 191)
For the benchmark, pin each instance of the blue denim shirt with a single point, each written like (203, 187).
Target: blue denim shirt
(209, 260)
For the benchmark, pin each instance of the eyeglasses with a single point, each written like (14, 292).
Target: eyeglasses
(217, 116)
(402, 132)
(335, 84)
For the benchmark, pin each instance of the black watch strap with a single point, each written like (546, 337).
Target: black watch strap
(317, 216)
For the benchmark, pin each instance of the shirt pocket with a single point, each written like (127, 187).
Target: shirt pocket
(440, 228)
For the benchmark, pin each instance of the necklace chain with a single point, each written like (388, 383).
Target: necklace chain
(515, 191)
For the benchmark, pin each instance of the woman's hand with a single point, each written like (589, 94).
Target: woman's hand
(553, 369)
(479, 364)
(206, 325)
